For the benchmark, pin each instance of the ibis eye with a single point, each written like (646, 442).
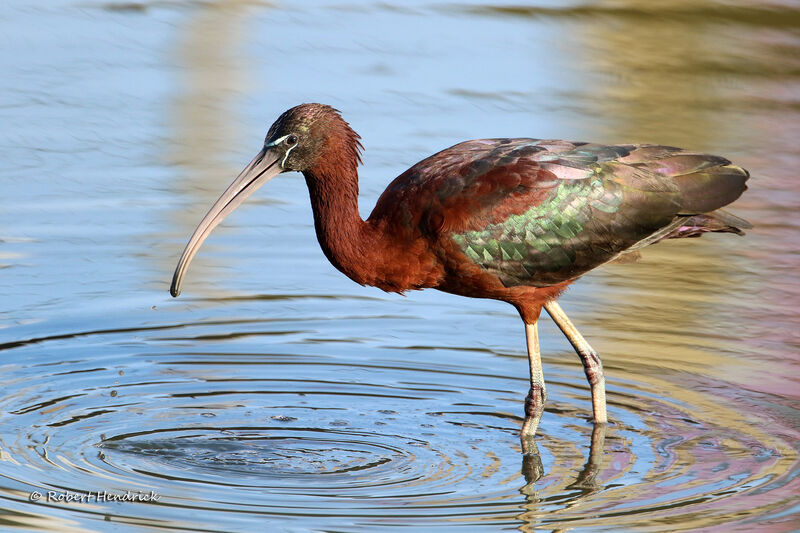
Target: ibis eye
(291, 140)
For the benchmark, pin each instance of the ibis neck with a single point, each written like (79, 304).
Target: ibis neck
(348, 242)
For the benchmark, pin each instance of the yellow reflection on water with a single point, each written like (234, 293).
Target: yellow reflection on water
(213, 78)
(660, 82)
(213, 82)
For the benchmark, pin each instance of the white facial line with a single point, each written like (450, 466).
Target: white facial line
(277, 142)
(287, 154)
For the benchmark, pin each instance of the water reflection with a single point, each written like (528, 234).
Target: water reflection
(261, 427)
(214, 77)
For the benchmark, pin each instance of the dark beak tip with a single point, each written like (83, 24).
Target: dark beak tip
(174, 291)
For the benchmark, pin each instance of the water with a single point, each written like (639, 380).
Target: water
(274, 390)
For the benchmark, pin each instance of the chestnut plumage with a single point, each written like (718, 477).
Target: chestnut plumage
(515, 220)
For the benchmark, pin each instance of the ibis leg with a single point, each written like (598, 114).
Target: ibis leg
(534, 403)
(591, 361)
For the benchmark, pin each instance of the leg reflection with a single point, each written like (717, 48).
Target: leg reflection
(532, 468)
(586, 481)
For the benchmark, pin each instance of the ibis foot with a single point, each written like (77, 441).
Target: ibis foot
(534, 408)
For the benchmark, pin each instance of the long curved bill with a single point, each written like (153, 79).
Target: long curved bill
(263, 167)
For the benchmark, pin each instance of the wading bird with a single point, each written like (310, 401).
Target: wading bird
(515, 220)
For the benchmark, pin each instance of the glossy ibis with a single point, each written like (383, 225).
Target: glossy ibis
(515, 220)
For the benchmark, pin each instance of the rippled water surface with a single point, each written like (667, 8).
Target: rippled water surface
(276, 392)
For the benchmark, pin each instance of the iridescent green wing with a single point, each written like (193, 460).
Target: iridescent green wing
(537, 212)
(607, 199)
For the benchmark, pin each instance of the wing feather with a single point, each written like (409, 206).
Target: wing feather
(536, 212)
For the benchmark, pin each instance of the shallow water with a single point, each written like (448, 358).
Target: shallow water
(274, 390)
